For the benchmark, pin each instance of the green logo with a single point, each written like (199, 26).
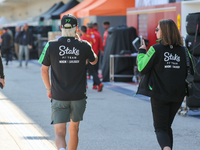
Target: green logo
(67, 20)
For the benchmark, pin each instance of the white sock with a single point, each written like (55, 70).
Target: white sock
(62, 149)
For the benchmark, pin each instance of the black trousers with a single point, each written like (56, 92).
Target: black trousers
(93, 70)
(163, 116)
(6, 51)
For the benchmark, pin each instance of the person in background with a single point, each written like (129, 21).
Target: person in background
(25, 43)
(106, 26)
(164, 72)
(100, 55)
(67, 89)
(2, 76)
(5, 44)
(16, 40)
(1, 33)
(96, 28)
(93, 69)
(11, 34)
(11, 44)
(86, 37)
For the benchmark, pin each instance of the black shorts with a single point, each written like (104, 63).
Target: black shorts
(63, 111)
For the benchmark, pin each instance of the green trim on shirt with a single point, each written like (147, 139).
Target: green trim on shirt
(43, 53)
(87, 43)
(143, 59)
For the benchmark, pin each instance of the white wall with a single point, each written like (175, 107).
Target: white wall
(186, 8)
(30, 10)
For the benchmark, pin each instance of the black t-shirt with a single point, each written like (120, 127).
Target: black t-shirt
(67, 57)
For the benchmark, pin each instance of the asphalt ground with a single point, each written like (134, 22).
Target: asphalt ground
(114, 119)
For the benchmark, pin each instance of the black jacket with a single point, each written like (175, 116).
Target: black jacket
(163, 72)
(17, 37)
(29, 37)
(6, 41)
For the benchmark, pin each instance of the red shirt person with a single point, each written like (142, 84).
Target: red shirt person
(95, 29)
(106, 25)
(86, 36)
(93, 70)
(97, 46)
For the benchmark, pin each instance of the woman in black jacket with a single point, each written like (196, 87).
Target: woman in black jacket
(164, 71)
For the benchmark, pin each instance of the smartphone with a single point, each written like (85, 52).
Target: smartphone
(141, 40)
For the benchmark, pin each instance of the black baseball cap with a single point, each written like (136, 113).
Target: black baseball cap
(69, 21)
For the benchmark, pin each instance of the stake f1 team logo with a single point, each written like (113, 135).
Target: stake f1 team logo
(65, 51)
(169, 57)
(172, 61)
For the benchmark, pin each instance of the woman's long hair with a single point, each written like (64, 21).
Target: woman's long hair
(170, 33)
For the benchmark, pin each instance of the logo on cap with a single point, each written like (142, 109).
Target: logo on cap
(67, 20)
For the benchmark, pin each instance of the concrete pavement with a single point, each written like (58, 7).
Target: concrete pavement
(114, 119)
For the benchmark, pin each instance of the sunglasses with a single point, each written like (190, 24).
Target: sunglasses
(157, 29)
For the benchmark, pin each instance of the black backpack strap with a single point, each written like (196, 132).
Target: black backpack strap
(187, 60)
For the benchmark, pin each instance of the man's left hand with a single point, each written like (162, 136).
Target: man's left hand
(30, 46)
(77, 36)
(49, 94)
(3, 82)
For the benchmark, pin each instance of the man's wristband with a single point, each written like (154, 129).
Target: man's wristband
(48, 90)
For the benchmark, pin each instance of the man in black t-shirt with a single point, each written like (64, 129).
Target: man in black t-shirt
(67, 58)
(5, 44)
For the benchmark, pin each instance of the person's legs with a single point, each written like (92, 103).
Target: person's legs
(174, 106)
(96, 66)
(73, 135)
(20, 54)
(77, 111)
(26, 54)
(93, 72)
(7, 51)
(60, 133)
(100, 57)
(161, 111)
(60, 115)
(96, 79)
(17, 49)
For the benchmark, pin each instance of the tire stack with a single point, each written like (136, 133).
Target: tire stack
(192, 20)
